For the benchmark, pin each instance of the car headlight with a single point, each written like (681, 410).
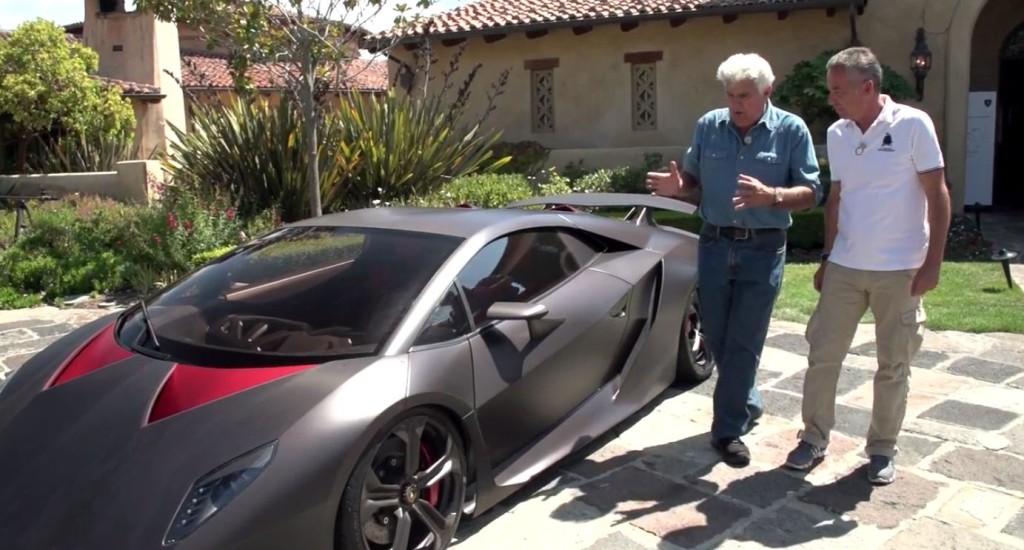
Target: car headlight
(212, 492)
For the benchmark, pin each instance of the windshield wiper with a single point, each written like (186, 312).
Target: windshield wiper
(149, 324)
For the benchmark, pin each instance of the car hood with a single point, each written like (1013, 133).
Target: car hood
(102, 457)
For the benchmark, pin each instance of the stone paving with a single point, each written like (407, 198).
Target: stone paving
(655, 483)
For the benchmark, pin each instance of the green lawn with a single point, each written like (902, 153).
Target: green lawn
(971, 297)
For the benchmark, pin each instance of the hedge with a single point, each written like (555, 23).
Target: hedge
(807, 231)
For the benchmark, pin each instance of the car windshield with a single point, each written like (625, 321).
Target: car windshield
(296, 295)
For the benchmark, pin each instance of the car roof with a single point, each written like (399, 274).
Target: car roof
(455, 222)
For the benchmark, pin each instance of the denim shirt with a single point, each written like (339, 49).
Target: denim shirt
(780, 155)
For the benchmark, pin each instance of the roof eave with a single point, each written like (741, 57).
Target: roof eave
(269, 89)
(596, 21)
(146, 98)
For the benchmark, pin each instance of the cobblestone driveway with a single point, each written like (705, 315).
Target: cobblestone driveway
(655, 482)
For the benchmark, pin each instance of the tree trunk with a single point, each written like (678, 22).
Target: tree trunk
(309, 120)
(22, 154)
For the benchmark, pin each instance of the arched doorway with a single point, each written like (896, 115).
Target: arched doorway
(1008, 187)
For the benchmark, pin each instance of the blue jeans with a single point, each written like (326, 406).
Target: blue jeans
(738, 282)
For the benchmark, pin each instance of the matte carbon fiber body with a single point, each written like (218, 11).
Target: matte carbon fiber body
(84, 467)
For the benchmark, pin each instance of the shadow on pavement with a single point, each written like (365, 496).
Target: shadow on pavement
(668, 490)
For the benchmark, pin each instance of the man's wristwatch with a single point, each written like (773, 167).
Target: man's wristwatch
(776, 196)
(824, 256)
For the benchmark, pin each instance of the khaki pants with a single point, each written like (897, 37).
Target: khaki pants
(846, 295)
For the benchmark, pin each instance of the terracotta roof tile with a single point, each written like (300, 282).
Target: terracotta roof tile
(205, 70)
(497, 14)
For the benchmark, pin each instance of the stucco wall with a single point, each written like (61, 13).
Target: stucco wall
(136, 47)
(592, 80)
(149, 131)
(998, 19)
(132, 182)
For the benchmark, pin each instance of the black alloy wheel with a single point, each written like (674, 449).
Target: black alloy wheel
(409, 488)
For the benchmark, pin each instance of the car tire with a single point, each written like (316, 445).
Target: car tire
(358, 529)
(694, 363)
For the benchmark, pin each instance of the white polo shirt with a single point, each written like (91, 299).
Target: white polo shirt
(883, 211)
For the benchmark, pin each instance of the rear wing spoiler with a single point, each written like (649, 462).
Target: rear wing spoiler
(640, 205)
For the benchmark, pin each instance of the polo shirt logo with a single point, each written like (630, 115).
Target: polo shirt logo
(887, 143)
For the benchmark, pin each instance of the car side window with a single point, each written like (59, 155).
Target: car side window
(521, 266)
(448, 321)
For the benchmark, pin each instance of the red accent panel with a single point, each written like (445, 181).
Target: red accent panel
(189, 386)
(103, 350)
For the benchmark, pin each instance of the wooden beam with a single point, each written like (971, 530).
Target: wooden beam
(782, 15)
(642, 57)
(540, 64)
(536, 34)
(626, 27)
(583, 29)
(731, 18)
(491, 38)
(676, 21)
(449, 42)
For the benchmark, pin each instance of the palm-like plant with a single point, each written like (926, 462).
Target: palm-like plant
(255, 151)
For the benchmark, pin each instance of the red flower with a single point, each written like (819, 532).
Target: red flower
(172, 222)
(188, 226)
(230, 213)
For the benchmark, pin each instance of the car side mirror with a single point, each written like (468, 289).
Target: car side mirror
(533, 314)
(516, 310)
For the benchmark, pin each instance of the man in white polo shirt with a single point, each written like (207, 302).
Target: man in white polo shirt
(886, 220)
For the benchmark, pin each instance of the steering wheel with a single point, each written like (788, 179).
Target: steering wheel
(247, 329)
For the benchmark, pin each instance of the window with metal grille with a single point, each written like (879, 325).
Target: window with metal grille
(543, 100)
(645, 97)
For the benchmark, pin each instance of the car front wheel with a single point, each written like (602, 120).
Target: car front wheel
(408, 489)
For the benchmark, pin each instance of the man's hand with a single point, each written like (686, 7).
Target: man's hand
(666, 184)
(751, 193)
(819, 276)
(927, 278)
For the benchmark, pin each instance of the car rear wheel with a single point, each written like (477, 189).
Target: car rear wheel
(408, 489)
(694, 363)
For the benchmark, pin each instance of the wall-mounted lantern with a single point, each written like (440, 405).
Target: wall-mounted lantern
(920, 61)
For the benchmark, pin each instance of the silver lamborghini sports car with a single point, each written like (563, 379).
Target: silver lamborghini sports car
(358, 381)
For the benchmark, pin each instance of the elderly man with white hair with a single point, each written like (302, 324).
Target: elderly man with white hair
(751, 164)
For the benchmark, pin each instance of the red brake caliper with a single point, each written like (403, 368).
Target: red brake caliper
(430, 494)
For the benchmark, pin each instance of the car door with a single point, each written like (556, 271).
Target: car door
(529, 374)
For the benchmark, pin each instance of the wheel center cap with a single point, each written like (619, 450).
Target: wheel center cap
(410, 494)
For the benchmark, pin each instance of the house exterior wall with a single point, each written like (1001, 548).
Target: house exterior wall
(139, 48)
(592, 91)
(131, 181)
(998, 20)
(592, 80)
(149, 132)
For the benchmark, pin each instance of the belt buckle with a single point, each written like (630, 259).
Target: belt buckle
(746, 233)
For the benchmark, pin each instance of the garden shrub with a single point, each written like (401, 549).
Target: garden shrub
(629, 179)
(598, 181)
(84, 244)
(482, 190)
(805, 90)
(526, 157)
(806, 233)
